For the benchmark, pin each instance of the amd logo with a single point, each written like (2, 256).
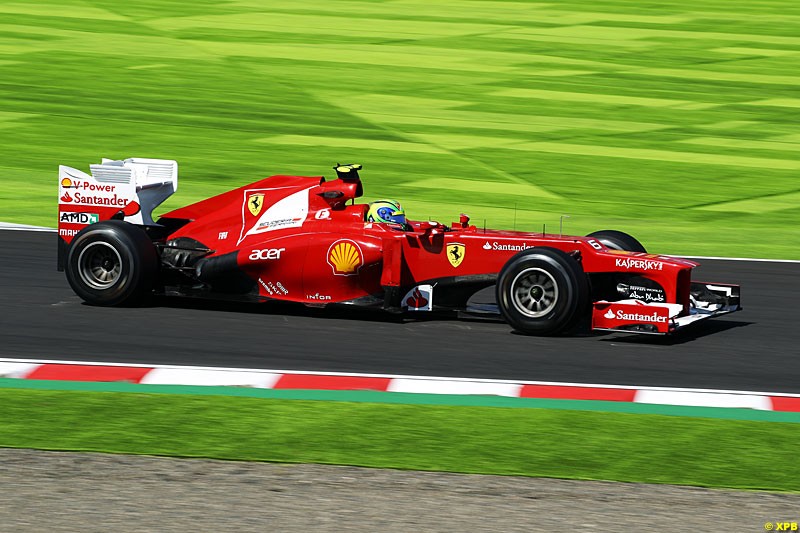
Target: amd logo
(69, 217)
(266, 254)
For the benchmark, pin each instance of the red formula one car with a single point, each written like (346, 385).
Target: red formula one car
(304, 239)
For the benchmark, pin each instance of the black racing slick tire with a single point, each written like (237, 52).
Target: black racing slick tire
(542, 291)
(112, 263)
(618, 240)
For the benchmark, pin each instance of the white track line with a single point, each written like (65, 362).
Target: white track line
(10, 226)
(747, 259)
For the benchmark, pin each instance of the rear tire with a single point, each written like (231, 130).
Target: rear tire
(112, 263)
(542, 291)
(618, 240)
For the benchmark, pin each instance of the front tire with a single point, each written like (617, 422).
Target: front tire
(112, 263)
(618, 240)
(542, 291)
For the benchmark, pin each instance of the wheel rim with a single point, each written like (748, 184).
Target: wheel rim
(534, 292)
(99, 265)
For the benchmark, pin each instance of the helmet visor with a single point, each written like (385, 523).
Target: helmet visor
(392, 215)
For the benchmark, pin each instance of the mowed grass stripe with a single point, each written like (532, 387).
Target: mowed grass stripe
(745, 51)
(778, 102)
(350, 54)
(660, 155)
(692, 74)
(482, 187)
(404, 110)
(330, 24)
(49, 10)
(419, 56)
(10, 115)
(603, 98)
(503, 12)
(585, 104)
(112, 44)
(467, 121)
(345, 142)
(743, 144)
(768, 204)
(615, 32)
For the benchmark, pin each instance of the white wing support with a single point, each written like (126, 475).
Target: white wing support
(154, 181)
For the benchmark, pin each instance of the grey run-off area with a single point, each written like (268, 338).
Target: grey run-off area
(58, 491)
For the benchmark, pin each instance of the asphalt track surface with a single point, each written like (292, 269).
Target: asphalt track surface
(756, 349)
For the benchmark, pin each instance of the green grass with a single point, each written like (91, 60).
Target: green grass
(487, 440)
(673, 121)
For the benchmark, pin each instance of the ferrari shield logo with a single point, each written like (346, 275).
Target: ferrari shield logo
(455, 253)
(254, 203)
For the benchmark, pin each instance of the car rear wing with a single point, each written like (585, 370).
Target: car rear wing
(128, 189)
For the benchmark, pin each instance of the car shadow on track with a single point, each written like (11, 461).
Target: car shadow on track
(277, 308)
(366, 314)
(691, 333)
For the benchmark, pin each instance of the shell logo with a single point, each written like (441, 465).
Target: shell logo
(345, 257)
(68, 183)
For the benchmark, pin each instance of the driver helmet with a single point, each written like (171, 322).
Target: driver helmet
(389, 211)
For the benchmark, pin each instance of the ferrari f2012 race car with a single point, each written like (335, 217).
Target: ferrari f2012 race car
(305, 239)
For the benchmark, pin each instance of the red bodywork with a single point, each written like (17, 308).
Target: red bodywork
(304, 239)
(327, 253)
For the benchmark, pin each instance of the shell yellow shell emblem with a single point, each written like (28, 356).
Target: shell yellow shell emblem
(254, 203)
(455, 253)
(345, 257)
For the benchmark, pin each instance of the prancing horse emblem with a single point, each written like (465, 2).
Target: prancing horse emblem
(255, 202)
(455, 253)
